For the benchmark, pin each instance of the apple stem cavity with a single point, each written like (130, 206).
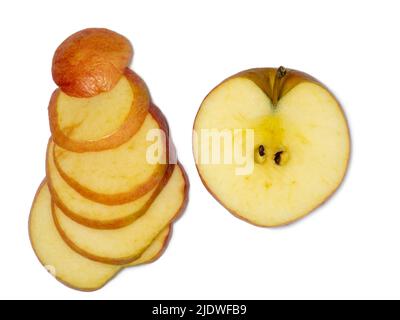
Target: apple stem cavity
(279, 75)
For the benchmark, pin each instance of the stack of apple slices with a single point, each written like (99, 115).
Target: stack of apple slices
(113, 186)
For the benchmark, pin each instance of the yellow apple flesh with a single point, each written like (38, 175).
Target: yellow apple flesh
(124, 245)
(66, 265)
(118, 175)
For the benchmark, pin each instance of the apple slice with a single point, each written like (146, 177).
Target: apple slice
(94, 214)
(102, 122)
(91, 61)
(66, 265)
(119, 175)
(155, 250)
(123, 245)
(296, 158)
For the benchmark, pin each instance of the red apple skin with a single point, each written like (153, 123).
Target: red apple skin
(136, 116)
(91, 61)
(264, 78)
(138, 191)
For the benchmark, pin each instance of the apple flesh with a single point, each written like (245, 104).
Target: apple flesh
(119, 175)
(124, 245)
(94, 214)
(65, 264)
(90, 62)
(102, 122)
(299, 152)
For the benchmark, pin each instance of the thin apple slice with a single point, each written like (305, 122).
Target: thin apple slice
(121, 246)
(94, 214)
(91, 61)
(123, 174)
(300, 152)
(66, 265)
(102, 122)
(155, 250)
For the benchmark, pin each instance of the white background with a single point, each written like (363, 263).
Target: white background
(349, 248)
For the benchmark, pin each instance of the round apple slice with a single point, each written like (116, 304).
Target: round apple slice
(102, 122)
(123, 245)
(123, 174)
(271, 145)
(66, 265)
(94, 214)
(91, 61)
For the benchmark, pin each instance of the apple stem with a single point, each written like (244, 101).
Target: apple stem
(280, 74)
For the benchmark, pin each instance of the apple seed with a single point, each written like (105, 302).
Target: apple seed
(277, 157)
(260, 155)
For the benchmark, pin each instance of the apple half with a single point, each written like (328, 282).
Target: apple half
(66, 265)
(271, 145)
(122, 174)
(124, 245)
(102, 122)
(91, 61)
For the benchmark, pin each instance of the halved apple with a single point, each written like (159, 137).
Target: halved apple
(289, 142)
(123, 174)
(66, 265)
(102, 122)
(123, 245)
(91, 61)
(94, 214)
